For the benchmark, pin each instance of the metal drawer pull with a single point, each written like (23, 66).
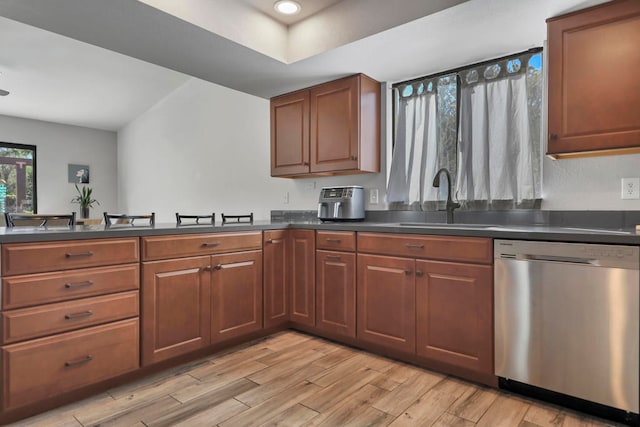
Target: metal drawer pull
(78, 285)
(274, 241)
(207, 268)
(218, 267)
(334, 240)
(89, 358)
(72, 255)
(419, 273)
(210, 244)
(333, 256)
(79, 315)
(408, 271)
(414, 246)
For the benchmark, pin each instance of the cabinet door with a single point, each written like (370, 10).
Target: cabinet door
(334, 125)
(336, 292)
(455, 314)
(275, 283)
(386, 301)
(175, 307)
(236, 294)
(594, 90)
(290, 134)
(302, 246)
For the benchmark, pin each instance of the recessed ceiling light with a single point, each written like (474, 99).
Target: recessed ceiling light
(287, 7)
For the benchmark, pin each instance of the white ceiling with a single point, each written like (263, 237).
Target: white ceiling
(235, 43)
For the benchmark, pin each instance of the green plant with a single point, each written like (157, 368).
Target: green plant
(84, 197)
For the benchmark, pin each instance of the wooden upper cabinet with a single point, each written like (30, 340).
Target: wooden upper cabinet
(290, 134)
(594, 89)
(329, 129)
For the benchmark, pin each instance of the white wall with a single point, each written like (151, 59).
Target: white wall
(58, 145)
(588, 184)
(205, 148)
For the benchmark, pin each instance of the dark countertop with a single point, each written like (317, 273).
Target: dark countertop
(521, 232)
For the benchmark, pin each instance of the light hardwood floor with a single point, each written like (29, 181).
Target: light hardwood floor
(292, 379)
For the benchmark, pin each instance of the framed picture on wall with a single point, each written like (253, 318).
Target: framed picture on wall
(78, 174)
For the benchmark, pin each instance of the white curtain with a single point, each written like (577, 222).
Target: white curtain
(415, 153)
(495, 152)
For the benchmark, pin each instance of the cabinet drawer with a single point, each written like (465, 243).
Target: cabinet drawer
(336, 240)
(163, 247)
(467, 249)
(26, 323)
(42, 368)
(33, 289)
(21, 258)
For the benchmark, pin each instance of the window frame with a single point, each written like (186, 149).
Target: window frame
(396, 89)
(33, 148)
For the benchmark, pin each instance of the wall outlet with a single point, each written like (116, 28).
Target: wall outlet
(630, 188)
(285, 199)
(373, 196)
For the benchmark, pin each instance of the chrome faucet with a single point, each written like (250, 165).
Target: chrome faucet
(451, 205)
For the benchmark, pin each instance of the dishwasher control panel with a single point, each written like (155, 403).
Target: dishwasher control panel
(580, 253)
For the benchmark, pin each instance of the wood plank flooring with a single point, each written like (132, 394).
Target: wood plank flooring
(292, 379)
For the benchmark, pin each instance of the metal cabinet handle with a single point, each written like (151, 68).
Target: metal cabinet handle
(218, 267)
(79, 315)
(207, 268)
(408, 271)
(78, 285)
(414, 246)
(305, 163)
(333, 240)
(354, 157)
(273, 241)
(333, 256)
(553, 136)
(86, 359)
(80, 254)
(210, 244)
(419, 273)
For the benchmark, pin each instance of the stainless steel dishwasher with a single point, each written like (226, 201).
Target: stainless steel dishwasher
(566, 321)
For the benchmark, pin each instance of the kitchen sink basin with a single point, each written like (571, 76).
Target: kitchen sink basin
(514, 228)
(452, 226)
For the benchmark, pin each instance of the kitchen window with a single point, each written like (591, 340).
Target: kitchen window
(482, 123)
(17, 178)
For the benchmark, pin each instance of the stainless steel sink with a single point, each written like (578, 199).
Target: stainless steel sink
(452, 226)
(513, 228)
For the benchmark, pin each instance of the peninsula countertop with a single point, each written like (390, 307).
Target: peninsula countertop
(498, 231)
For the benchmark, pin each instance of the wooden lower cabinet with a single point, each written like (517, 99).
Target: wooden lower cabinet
(33, 322)
(275, 278)
(336, 292)
(386, 301)
(302, 259)
(39, 369)
(236, 294)
(454, 308)
(176, 304)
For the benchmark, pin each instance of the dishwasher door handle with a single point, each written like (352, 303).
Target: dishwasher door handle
(563, 259)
